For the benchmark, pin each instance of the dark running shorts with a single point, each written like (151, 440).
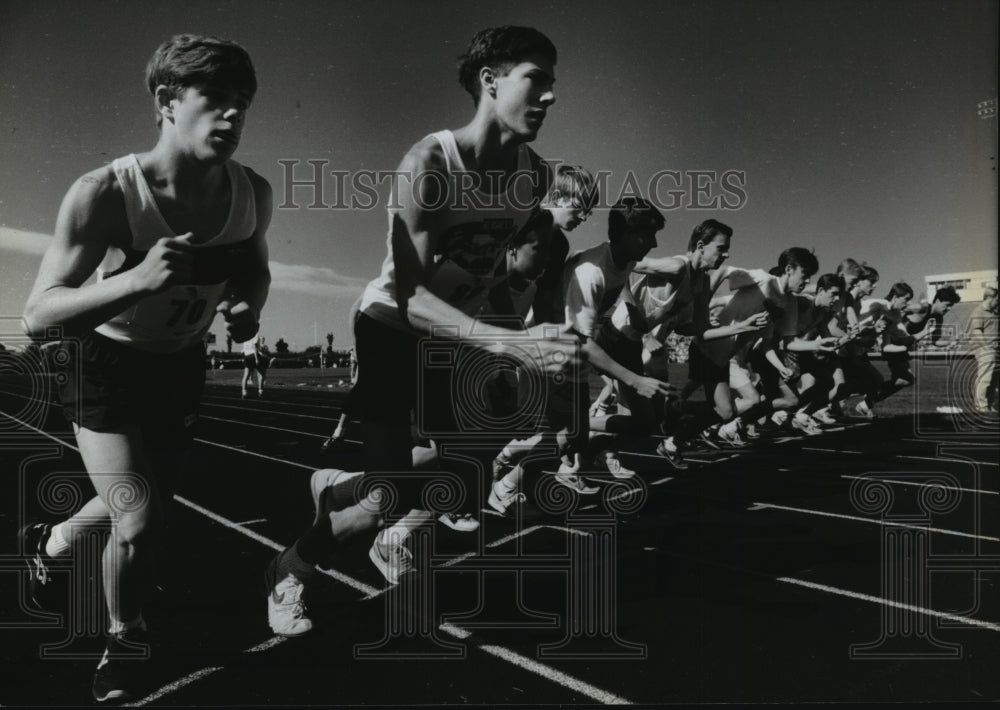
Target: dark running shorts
(704, 370)
(109, 386)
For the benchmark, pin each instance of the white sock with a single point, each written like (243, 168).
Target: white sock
(117, 627)
(57, 545)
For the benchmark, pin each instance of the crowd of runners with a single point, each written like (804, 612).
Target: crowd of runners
(477, 264)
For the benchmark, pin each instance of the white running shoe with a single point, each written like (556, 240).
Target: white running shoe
(823, 416)
(392, 558)
(864, 411)
(608, 460)
(731, 437)
(780, 418)
(804, 423)
(501, 499)
(568, 476)
(286, 613)
(750, 431)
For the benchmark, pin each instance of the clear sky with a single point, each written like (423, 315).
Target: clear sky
(854, 123)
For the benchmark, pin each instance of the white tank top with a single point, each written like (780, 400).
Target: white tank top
(475, 230)
(181, 315)
(648, 308)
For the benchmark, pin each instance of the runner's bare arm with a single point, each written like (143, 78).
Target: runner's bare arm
(249, 288)
(91, 219)
(419, 188)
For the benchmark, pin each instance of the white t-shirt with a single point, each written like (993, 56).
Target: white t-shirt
(592, 284)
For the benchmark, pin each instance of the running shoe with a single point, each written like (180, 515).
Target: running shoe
(823, 416)
(609, 461)
(461, 523)
(668, 450)
(750, 431)
(804, 423)
(863, 410)
(393, 559)
(731, 437)
(501, 499)
(286, 612)
(501, 467)
(121, 673)
(568, 477)
(42, 590)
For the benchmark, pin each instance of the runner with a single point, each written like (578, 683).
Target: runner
(174, 235)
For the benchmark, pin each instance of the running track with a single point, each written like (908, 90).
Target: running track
(748, 578)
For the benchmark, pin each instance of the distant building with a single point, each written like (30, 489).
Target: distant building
(969, 284)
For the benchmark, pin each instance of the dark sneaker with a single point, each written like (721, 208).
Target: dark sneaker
(668, 450)
(121, 673)
(42, 590)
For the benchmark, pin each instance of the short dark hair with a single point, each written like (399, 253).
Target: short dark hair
(900, 288)
(195, 60)
(828, 281)
(867, 273)
(500, 48)
(947, 294)
(540, 222)
(798, 256)
(631, 213)
(707, 231)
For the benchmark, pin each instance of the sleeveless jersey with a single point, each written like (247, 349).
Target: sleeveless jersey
(476, 228)
(649, 306)
(181, 315)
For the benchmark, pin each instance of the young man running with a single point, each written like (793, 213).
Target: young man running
(174, 235)
(460, 197)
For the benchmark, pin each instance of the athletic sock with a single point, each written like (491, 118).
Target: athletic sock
(118, 627)
(57, 545)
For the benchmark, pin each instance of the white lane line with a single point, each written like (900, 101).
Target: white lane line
(254, 453)
(887, 523)
(889, 602)
(980, 444)
(686, 457)
(661, 480)
(267, 411)
(938, 458)
(251, 522)
(360, 586)
(563, 679)
(262, 426)
(266, 400)
(496, 543)
(203, 673)
(922, 485)
(832, 451)
(174, 686)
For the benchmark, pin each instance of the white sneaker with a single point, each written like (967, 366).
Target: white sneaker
(750, 431)
(286, 613)
(609, 460)
(804, 423)
(731, 437)
(568, 477)
(864, 411)
(501, 498)
(823, 416)
(393, 559)
(501, 468)
(780, 418)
